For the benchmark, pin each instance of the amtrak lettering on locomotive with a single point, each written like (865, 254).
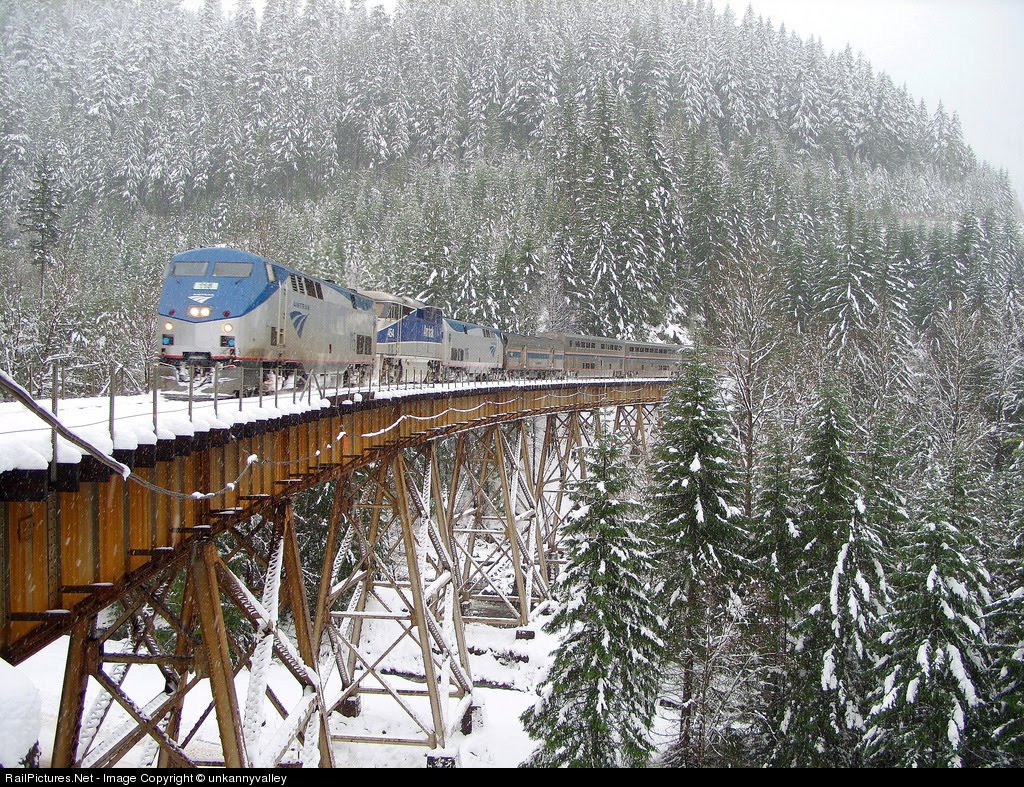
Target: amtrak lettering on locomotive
(261, 325)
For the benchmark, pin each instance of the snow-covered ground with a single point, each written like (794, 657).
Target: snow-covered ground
(20, 718)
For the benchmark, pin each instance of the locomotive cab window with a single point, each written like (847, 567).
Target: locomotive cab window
(233, 270)
(189, 269)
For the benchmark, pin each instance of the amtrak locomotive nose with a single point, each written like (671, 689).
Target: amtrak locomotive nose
(207, 294)
(256, 321)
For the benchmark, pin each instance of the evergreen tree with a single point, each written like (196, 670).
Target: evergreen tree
(839, 602)
(40, 218)
(778, 543)
(597, 700)
(934, 682)
(1007, 617)
(702, 556)
(1008, 713)
(779, 536)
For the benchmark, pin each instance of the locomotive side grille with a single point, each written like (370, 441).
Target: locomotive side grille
(304, 286)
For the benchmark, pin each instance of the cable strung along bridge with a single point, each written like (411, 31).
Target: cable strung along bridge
(446, 511)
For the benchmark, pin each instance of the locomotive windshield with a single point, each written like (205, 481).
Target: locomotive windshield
(189, 269)
(234, 270)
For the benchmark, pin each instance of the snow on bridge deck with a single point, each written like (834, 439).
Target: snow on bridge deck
(26, 442)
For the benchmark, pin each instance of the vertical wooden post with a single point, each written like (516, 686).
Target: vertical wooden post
(182, 647)
(72, 698)
(641, 429)
(339, 504)
(531, 485)
(448, 540)
(5, 576)
(308, 648)
(365, 587)
(511, 531)
(54, 568)
(438, 739)
(218, 659)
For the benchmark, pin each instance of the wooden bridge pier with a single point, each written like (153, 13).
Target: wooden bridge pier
(199, 622)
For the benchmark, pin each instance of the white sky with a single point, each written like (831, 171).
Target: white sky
(967, 53)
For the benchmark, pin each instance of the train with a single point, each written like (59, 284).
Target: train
(235, 323)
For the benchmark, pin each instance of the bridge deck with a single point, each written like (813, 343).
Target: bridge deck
(76, 537)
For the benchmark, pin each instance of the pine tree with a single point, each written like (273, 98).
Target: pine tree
(779, 536)
(1007, 617)
(1008, 731)
(40, 218)
(777, 547)
(885, 473)
(702, 556)
(928, 709)
(839, 603)
(597, 700)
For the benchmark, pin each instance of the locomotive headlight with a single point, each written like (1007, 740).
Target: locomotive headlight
(168, 326)
(227, 327)
(193, 311)
(204, 312)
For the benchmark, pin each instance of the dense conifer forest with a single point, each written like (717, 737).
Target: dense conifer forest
(848, 269)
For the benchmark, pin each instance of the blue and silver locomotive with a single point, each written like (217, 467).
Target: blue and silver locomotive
(416, 342)
(258, 322)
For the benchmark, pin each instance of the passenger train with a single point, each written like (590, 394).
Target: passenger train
(264, 325)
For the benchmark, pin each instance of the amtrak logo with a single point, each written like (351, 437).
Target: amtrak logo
(199, 298)
(299, 321)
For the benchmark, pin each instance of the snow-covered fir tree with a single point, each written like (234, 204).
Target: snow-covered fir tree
(702, 558)
(840, 601)
(934, 673)
(597, 700)
(777, 544)
(1006, 616)
(40, 219)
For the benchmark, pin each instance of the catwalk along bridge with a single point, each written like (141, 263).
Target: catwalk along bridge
(193, 575)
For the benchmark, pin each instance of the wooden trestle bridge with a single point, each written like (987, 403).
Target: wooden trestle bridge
(446, 510)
